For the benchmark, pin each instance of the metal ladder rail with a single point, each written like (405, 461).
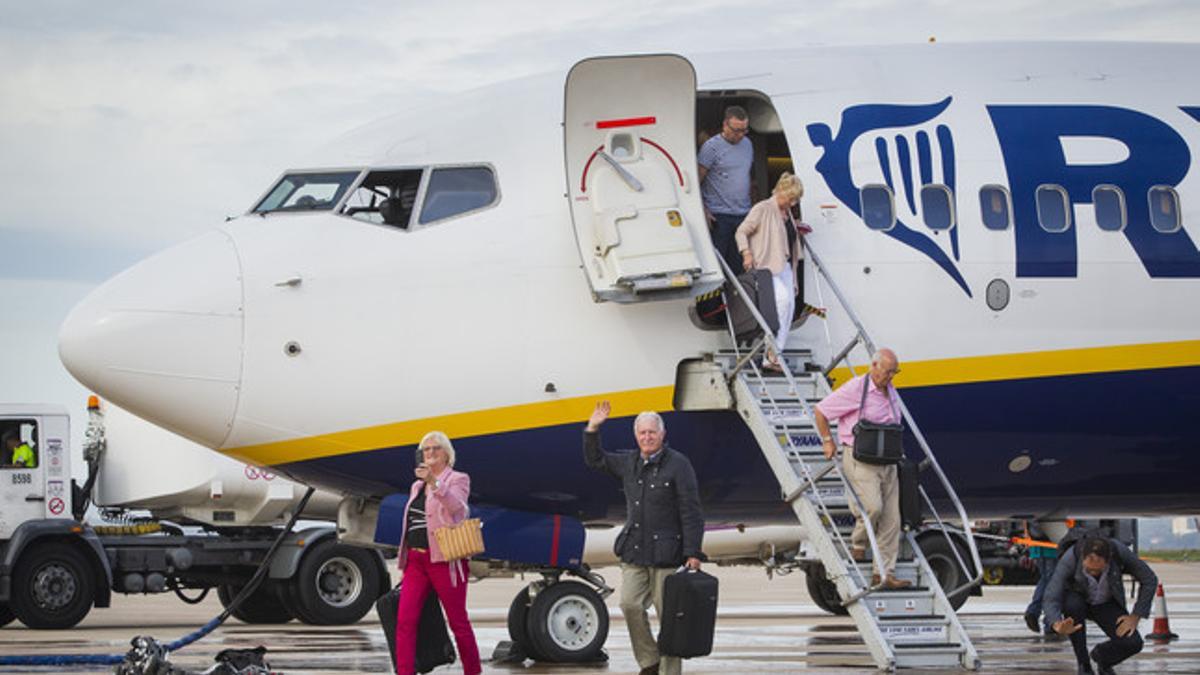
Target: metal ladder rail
(836, 566)
(863, 338)
(810, 481)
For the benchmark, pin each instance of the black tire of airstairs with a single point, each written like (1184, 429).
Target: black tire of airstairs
(823, 592)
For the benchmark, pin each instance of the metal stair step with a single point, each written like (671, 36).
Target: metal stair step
(918, 655)
(915, 601)
(928, 630)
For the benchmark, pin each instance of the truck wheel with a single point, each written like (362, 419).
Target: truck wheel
(263, 605)
(6, 615)
(568, 623)
(824, 593)
(945, 565)
(336, 584)
(52, 586)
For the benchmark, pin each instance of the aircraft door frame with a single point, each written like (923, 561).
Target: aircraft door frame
(630, 157)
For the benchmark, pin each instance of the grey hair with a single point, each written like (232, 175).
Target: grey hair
(649, 415)
(879, 353)
(442, 440)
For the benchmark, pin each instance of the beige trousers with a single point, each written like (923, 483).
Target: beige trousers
(639, 587)
(878, 487)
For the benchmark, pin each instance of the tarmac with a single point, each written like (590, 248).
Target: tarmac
(763, 626)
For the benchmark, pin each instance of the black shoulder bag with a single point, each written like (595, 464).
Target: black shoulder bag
(874, 442)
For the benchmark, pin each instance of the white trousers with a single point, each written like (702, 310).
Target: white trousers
(785, 303)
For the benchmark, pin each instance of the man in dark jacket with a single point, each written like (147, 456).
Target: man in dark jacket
(663, 525)
(1087, 585)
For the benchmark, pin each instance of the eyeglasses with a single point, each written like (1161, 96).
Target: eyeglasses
(735, 130)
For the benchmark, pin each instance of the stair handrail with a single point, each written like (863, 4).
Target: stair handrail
(764, 343)
(930, 459)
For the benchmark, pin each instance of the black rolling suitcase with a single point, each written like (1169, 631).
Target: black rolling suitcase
(757, 284)
(433, 640)
(909, 478)
(689, 615)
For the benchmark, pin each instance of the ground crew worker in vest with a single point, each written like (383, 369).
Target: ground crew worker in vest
(20, 454)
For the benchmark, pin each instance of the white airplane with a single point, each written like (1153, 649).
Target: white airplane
(1009, 218)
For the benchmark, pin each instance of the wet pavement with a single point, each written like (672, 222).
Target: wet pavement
(764, 626)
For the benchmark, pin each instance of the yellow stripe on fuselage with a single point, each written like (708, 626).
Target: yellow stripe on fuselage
(474, 423)
(566, 411)
(1029, 365)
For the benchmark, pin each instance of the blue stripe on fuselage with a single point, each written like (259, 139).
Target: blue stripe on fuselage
(1100, 443)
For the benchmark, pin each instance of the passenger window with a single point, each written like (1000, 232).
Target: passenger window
(456, 191)
(385, 197)
(937, 207)
(1053, 208)
(1109, 203)
(307, 192)
(1164, 209)
(878, 207)
(995, 206)
(18, 444)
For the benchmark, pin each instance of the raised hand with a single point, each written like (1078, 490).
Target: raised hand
(599, 415)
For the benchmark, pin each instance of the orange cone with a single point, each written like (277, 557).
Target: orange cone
(1162, 625)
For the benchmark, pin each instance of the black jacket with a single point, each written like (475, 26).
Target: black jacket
(663, 523)
(1068, 575)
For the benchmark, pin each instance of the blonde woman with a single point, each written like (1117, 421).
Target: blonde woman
(438, 498)
(769, 238)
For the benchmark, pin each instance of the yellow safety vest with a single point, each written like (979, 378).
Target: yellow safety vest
(23, 456)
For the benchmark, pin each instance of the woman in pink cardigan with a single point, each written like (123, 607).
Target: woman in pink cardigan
(438, 498)
(769, 238)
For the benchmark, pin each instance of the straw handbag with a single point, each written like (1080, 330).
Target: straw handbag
(462, 540)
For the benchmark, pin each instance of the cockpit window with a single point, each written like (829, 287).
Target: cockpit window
(385, 197)
(456, 190)
(307, 192)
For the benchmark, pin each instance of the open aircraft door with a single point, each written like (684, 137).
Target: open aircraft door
(629, 127)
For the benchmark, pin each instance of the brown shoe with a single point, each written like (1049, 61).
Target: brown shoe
(894, 584)
(875, 579)
(859, 554)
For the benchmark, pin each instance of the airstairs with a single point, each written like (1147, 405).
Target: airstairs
(915, 627)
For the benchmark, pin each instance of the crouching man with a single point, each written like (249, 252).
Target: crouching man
(1087, 585)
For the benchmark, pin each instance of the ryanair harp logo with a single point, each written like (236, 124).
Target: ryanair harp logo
(903, 147)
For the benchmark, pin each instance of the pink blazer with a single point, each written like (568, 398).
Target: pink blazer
(444, 506)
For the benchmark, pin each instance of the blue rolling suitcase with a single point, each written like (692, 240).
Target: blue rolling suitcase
(689, 615)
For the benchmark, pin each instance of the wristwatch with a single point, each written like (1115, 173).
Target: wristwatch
(826, 439)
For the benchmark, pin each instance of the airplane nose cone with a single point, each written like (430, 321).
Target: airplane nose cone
(163, 339)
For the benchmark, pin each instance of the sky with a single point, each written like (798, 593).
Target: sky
(127, 127)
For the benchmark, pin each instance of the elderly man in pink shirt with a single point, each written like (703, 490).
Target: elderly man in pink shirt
(877, 486)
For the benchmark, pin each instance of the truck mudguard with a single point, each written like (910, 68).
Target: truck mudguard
(30, 532)
(287, 558)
